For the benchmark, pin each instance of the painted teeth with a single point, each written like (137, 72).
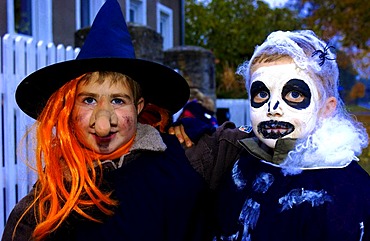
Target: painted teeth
(276, 131)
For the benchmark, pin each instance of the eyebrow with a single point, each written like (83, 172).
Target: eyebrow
(94, 95)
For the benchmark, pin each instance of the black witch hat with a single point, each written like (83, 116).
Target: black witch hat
(108, 47)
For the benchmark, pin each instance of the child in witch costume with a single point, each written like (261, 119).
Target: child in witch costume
(101, 174)
(295, 177)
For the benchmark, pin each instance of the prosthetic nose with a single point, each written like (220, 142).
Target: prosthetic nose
(103, 118)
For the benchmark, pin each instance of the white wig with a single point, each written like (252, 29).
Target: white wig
(316, 58)
(307, 51)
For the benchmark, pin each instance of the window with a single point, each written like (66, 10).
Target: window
(164, 25)
(86, 11)
(30, 18)
(23, 17)
(136, 11)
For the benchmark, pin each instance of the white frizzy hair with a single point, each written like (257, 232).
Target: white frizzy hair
(300, 46)
(335, 143)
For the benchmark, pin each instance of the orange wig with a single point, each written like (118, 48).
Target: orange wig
(66, 170)
(68, 180)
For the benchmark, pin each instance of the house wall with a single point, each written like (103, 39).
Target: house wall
(64, 19)
(3, 20)
(151, 16)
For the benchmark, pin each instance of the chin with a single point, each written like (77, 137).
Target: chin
(269, 142)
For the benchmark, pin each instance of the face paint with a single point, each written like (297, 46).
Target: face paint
(259, 94)
(297, 94)
(284, 102)
(105, 115)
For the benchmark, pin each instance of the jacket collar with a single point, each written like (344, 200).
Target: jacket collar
(261, 151)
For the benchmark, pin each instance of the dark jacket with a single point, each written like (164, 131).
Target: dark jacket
(215, 152)
(256, 200)
(161, 197)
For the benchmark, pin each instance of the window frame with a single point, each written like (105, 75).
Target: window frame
(164, 12)
(41, 20)
(139, 7)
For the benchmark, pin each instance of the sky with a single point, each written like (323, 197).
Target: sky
(273, 3)
(276, 3)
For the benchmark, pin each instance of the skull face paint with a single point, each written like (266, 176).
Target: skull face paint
(284, 102)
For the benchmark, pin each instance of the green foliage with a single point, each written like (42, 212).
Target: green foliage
(349, 18)
(232, 29)
(362, 114)
(345, 21)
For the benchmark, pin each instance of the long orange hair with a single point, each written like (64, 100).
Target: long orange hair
(67, 176)
(65, 172)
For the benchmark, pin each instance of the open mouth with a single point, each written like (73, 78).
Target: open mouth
(104, 140)
(275, 129)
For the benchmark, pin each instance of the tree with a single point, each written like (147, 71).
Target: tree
(345, 21)
(357, 92)
(232, 29)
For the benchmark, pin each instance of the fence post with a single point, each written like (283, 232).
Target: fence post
(8, 127)
(2, 161)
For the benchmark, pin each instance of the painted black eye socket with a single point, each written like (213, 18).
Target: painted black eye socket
(297, 94)
(260, 94)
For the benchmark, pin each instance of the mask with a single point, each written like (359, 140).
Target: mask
(284, 102)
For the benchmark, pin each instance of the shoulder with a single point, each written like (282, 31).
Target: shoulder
(246, 129)
(23, 229)
(229, 131)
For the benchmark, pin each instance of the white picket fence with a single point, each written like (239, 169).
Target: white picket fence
(238, 109)
(19, 57)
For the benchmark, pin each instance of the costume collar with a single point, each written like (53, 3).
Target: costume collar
(263, 152)
(147, 138)
(334, 144)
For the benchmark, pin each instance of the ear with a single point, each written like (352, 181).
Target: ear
(140, 105)
(329, 107)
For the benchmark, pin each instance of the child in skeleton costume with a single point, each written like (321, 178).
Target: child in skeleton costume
(297, 176)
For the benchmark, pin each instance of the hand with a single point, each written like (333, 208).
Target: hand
(180, 133)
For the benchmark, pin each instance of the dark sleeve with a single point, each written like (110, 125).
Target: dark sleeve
(23, 230)
(213, 154)
(195, 128)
